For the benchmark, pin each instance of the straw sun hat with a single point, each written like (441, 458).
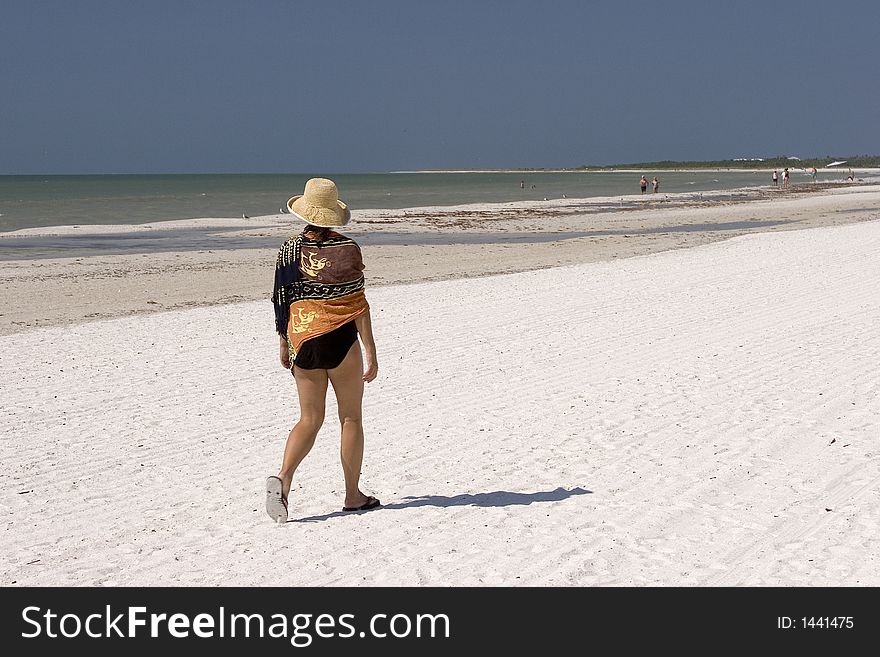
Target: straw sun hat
(319, 204)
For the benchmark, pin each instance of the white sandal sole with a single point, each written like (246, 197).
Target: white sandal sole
(275, 506)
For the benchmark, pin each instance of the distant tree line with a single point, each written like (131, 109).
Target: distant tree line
(779, 162)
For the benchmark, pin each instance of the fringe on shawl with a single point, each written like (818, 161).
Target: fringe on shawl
(288, 283)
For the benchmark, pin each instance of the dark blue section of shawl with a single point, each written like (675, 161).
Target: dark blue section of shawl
(287, 274)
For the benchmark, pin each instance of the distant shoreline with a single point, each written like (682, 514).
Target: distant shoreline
(46, 202)
(55, 276)
(415, 219)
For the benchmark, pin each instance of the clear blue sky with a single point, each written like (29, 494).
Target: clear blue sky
(326, 86)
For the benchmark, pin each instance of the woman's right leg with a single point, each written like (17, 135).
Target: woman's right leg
(348, 385)
(311, 385)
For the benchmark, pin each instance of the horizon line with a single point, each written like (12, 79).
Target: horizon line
(583, 167)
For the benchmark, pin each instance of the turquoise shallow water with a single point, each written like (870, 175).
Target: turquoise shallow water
(31, 201)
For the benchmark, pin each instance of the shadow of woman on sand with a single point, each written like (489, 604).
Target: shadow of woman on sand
(497, 498)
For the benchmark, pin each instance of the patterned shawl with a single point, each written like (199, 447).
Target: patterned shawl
(319, 286)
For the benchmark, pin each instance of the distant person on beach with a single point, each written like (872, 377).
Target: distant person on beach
(643, 183)
(655, 184)
(320, 310)
(785, 177)
(850, 176)
(775, 178)
(814, 173)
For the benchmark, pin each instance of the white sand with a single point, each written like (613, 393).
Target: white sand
(721, 405)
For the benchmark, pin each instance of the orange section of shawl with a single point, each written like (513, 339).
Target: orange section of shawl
(310, 318)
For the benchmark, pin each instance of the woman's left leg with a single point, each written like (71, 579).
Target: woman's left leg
(348, 384)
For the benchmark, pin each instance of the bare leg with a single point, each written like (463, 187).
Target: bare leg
(312, 388)
(348, 385)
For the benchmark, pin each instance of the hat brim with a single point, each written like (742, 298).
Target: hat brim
(319, 216)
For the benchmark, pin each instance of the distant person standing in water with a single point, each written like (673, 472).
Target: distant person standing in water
(655, 184)
(522, 184)
(785, 177)
(814, 173)
(643, 183)
(775, 178)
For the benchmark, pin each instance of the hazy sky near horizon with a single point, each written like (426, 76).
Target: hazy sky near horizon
(287, 86)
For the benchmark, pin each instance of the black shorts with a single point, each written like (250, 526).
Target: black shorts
(327, 351)
(644, 187)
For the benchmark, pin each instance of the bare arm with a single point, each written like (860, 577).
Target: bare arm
(283, 353)
(365, 331)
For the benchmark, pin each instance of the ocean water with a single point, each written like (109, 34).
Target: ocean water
(30, 201)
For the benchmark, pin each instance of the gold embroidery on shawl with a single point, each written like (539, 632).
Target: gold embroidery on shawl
(313, 266)
(301, 324)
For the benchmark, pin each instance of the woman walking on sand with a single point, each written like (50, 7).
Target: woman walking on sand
(320, 310)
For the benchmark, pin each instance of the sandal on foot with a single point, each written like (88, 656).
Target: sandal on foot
(276, 504)
(371, 503)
